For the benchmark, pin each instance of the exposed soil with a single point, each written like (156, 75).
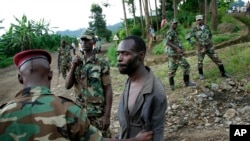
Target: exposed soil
(9, 86)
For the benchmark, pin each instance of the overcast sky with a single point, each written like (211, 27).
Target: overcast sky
(64, 14)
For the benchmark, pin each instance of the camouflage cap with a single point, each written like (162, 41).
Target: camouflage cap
(199, 17)
(174, 21)
(88, 34)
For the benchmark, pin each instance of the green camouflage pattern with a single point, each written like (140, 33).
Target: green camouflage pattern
(203, 36)
(65, 59)
(89, 74)
(96, 121)
(36, 114)
(172, 36)
(204, 45)
(175, 59)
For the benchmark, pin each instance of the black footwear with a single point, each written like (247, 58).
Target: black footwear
(171, 83)
(225, 75)
(201, 77)
(223, 72)
(187, 82)
(201, 73)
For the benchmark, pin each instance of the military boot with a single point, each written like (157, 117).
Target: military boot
(201, 73)
(187, 82)
(171, 83)
(223, 72)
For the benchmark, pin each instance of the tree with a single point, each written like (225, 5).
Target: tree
(163, 8)
(141, 17)
(125, 17)
(145, 5)
(214, 14)
(99, 22)
(156, 12)
(131, 3)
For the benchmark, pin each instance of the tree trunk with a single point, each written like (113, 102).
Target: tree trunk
(206, 12)
(156, 12)
(175, 8)
(163, 8)
(133, 10)
(125, 17)
(214, 14)
(145, 4)
(141, 17)
(150, 15)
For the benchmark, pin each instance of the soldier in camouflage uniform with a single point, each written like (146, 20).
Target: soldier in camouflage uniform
(90, 76)
(64, 57)
(176, 57)
(37, 114)
(203, 37)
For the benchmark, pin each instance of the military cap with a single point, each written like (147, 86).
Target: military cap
(174, 21)
(88, 34)
(27, 55)
(199, 17)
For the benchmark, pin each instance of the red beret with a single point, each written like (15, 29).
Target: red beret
(22, 57)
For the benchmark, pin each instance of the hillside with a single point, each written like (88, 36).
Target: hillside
(201, 113)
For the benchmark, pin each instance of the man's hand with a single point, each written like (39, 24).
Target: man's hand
(76, 60)
(105, 122)
(179, 50)
(144, 136)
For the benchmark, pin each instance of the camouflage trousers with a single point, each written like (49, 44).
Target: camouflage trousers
(95, 121)
(174, 62)
(65, 68)
(211, 54)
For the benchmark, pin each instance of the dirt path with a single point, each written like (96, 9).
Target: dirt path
(9, 86)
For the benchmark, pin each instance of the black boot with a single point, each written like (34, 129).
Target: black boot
(223, 72)
(201, 73)
(186, 81)
(171, 83)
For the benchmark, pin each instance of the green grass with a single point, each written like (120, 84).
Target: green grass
(5, 61)
(247, 87)
(218, 38)
(235, 59)
(111, 55)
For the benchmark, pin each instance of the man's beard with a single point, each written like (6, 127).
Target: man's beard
(130, 67)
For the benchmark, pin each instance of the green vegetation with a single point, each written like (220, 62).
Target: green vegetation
(183, 30)
(235, 59)
(28, 34)
(159, 48)
(247, 87)
(111, 55)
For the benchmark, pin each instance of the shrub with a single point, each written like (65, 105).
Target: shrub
(111, 55)
(159, 49)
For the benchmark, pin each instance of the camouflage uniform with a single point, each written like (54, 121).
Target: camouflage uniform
(37, 114)
(175, 54)
(204, 44)
(90, 77)
(65, 59)
(174, 58)
(203, 37)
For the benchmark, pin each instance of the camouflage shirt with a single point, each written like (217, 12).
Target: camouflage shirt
(65, 55)
(202, 35)
(90, 77)
(173, 37)
(37, 114)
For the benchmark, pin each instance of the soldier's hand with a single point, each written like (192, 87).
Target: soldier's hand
(105, 122)
(180, 51)
(144, 136)
(76, 60)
